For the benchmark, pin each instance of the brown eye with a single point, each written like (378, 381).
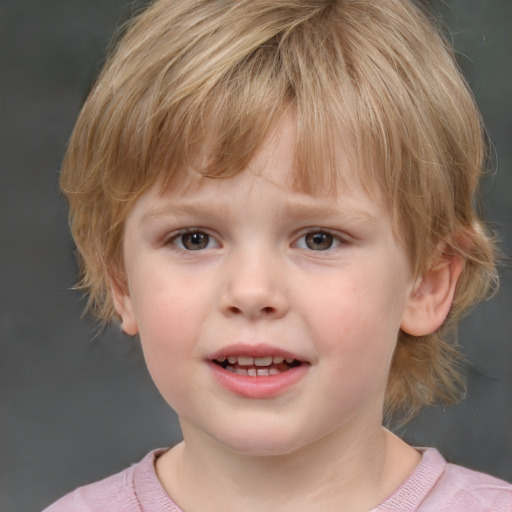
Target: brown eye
(319, 241)
(193, 241)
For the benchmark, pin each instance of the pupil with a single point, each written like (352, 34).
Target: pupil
(195, 241)
(319, 241)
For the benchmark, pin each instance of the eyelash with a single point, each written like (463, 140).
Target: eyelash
(179, 235)
(334, 240)
(177, 240)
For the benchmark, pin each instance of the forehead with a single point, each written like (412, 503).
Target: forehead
(278, 161)
(272, 180)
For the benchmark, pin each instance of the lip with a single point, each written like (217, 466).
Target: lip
(256, 350)
(267, 386)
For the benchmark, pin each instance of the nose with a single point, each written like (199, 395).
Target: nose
(254, 288)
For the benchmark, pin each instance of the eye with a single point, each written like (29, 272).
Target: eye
(318, 241)
(193, 241)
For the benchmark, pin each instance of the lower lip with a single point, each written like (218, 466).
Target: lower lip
(262, 386)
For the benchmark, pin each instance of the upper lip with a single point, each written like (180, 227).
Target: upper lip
(255, 351)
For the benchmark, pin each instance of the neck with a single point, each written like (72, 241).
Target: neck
(356, 469)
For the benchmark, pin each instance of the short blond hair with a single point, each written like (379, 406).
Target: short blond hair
(375, 77)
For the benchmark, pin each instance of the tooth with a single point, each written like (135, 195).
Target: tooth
(232, 359)
(245, 361)
(251, 372)
(277, 359)
(240, 371)
(263, 361)
(289, 361)
(273, 371)
(262, 371)
(221, 359)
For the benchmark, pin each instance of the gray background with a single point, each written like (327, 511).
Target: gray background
(77, 405)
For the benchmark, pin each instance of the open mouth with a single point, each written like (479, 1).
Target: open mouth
(257, 366)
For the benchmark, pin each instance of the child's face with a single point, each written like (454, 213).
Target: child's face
(244, 267)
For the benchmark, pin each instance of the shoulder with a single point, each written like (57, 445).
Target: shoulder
(461, 488)
(116, 493)
(437, 486)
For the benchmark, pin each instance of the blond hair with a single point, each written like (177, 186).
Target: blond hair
(372, 76)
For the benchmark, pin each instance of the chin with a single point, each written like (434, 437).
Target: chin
(252, 449)
(262, 443)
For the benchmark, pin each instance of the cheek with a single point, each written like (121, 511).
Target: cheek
(166, 301)
(357, 325)
(169, 314)
(357, 366)
(364, 309)
(166, 337)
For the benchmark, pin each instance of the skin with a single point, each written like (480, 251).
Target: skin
(261, 277)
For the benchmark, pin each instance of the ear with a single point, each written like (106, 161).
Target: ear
(431, 298)
(124, 307)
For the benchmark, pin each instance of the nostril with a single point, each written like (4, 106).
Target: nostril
(268, 310)
(251, 304)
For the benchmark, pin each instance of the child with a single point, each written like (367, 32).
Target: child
(277, 196)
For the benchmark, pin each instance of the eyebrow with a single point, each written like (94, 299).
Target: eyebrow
(306, 210)
(291, 209)
(180, 210)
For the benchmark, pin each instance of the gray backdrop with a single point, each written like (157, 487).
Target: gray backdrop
(75, 406)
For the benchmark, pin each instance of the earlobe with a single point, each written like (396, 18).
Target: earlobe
(432, 296)
(124, 307)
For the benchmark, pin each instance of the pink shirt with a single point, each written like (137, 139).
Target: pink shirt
(434, 486)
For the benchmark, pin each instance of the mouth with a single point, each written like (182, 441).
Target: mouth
(257, 370)
(257, 366)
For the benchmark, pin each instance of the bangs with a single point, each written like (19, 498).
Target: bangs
(212, 107)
